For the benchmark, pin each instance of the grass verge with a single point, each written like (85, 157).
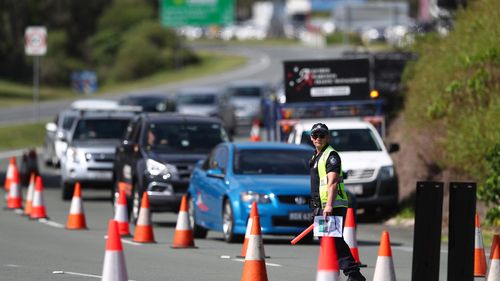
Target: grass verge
(22, 136)
(14, 94)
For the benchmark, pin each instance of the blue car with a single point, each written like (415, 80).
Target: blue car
(275, 175)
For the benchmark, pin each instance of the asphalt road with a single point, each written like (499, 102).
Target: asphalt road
(33, 250)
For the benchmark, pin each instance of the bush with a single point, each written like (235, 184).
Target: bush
(137, 58)
(339, 37)
(490, 191)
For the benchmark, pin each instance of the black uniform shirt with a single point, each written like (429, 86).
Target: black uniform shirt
(332, 165)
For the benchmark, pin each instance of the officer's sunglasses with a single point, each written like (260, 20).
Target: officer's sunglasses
(318, 135)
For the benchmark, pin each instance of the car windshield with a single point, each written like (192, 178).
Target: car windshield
(272, 162)
(245, 92)
(97, 129)
(184, 138)
(349, 140)
(196, 99)
(68, 122)
(147, 103)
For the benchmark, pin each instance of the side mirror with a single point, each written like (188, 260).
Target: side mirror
(51, 127)
(393, 147)
(215, 173)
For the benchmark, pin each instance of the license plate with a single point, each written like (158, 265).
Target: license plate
(355, 188)
(299, 216)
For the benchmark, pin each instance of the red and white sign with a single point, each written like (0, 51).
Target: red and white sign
(35, 41)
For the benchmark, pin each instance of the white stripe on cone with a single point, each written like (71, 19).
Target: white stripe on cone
(349, 234)
(255, 250)
(76, 206)
(114, 267)
(31, 191)
(14, 191)
(249, 228)
(324, 275)
(144, 217)
(494, 273)
(121, 215)
(38, 199)
(183, 221)
(384, 269)
(478, 239)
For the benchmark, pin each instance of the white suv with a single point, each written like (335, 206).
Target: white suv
(365, 160)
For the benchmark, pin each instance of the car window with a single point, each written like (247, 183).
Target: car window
(273, 162)
(196, 99)
(349, 140)
(245, 92)
(220, 159)
(199, 138)
(94, 129)
(68, 122)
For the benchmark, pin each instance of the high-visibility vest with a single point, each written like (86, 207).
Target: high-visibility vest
(341, 198)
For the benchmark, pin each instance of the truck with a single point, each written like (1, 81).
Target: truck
(340, 93)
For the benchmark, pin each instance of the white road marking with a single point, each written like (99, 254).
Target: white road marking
(12, 265)
(126, 241)
(267, 263)
(79, 274)
(51, 223)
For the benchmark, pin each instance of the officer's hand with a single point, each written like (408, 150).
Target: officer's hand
(327, 211)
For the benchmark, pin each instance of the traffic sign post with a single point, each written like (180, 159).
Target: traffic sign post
(35, 44)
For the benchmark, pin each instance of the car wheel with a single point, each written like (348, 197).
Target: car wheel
(198, 231)
(67, 191)
(136, 206)
(228, 224)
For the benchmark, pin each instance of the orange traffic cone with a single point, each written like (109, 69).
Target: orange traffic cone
(254, 268)
(10, 173)
(14, 199)
(350, 234)
(144, 230)
(384, 269)
(328, 267)
(479, 255)
(28, 205)
(496, 240)
(76, 218)
(255, 131)
(253, 212)
(38, 211)
(494, 272)
(114, 268)
(121, 214)
(183, 237)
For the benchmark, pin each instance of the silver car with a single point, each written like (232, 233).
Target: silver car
(209, 102)
(247, 96)
(56, 132)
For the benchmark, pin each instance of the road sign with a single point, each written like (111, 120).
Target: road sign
(176, 13)
(35, 41)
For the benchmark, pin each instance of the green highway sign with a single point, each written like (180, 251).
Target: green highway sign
(175, 13)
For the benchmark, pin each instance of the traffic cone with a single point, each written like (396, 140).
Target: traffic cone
(479, 255)
(328, 267)
(14, 199)
(384, 269)
(350, 234)
(183, 237)
(38, 211)
(255, 131)
(10, 173)
(253, 212)
(143, 232)
(76, 218)
(494, 272)
(254, 268)
(28, 205)
(121, 215)
(496, 240)
(114, 268)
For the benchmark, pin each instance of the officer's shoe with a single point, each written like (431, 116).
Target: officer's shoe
(356, 276)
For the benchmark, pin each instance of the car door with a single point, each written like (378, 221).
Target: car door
(215, 187)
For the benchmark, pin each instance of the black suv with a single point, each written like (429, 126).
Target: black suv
(157, 155)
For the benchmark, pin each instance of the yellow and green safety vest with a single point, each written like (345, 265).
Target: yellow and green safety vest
(341, 200)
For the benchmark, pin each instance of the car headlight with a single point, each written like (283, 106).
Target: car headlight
(74, 155)
(156, 168)
(250, 197)
(386, 172)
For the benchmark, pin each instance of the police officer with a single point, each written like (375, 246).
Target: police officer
(328, 195)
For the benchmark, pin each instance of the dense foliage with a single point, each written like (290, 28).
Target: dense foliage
(121, 40)
(454, 92)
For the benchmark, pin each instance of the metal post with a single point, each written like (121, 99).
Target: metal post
(36, 94)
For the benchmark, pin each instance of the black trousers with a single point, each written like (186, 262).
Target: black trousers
(344, 256)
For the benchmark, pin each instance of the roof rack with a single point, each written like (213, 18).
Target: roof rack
(103, 105)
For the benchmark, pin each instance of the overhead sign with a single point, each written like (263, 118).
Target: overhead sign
(176, 13)
(35, 41)
(327, 80)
